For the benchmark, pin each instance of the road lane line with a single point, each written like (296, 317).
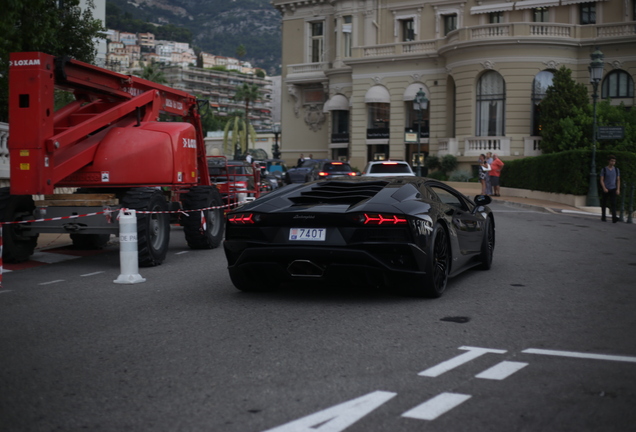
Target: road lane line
(183, 252)
(5, 291)
(501, 370)
(435, 407)
(92, 274)
(51, 282)
(627, 359)
(473, 353)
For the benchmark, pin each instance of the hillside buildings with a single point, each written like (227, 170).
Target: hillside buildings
(132, 51)
(352, 69)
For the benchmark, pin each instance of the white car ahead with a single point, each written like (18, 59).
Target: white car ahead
(387, 169)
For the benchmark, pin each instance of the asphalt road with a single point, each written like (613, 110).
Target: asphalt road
(542, 342)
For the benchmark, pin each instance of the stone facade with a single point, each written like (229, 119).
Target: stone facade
(352, 68)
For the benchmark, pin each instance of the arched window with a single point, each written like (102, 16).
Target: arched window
(540, 85)
(491, 105)
(617, 84)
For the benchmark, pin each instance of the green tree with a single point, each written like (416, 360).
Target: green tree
(152, 72)
(247, 93)
(242, 131)
(565, 114)
(241, 51)
(50, 26)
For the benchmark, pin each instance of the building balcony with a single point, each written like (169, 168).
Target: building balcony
(497, 33)
(306, 73)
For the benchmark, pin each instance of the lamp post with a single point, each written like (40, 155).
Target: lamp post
(275, 148)
(596, 75)
(420, 103)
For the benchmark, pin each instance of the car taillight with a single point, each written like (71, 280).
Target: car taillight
(382, 219)
(389, 163)
(322, 174)
(352, 174)
(242, 219)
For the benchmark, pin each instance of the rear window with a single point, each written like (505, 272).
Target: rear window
(331, 167)
(389, 169)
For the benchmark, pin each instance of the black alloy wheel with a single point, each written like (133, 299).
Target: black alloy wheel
(487, 245)
(439, 266)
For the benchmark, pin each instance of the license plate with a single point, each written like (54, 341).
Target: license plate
(309, 234)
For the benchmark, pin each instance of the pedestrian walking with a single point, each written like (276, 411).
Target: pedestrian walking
(489, 159)
(300, 160)
(495, 172)
(611, 184)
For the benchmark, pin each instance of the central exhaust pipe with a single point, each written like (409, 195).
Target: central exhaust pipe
(305, 268)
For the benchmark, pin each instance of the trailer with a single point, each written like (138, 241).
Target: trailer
(110, 148)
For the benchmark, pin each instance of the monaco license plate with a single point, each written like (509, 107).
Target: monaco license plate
(310, 234)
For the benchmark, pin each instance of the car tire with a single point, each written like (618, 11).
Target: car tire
(487, 245)
(436, 277)
(244, 282)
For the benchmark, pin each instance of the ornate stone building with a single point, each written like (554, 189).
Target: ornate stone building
(352, 68)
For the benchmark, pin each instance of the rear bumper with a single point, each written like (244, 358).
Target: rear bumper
(380, 264)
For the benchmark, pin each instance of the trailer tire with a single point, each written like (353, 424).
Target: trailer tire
(197, 198)
(153, 230)
(16, 247)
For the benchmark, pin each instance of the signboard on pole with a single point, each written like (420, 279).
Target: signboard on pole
(611, 132)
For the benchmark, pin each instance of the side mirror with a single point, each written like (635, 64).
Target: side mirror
(482, 200)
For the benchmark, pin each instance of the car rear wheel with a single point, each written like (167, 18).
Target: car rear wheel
(487, 245)
(439, 264)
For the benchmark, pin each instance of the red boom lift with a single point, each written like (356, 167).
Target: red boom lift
(109, 144)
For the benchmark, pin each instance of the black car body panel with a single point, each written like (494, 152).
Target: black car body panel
(377, 231)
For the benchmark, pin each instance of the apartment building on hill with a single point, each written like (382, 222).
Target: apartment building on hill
(352, 69)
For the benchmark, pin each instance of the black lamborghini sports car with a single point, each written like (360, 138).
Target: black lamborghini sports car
(407, 233)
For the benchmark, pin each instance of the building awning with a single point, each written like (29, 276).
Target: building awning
(377, 94)
(531, 4)
(411, 91)
(497, 7)
(337, 102)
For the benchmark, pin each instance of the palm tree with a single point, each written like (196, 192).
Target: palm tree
(242, 131)
(152, 72)
(247, 93)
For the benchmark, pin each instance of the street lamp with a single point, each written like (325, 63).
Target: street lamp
(275, 148)
(420, 103)
(596, 75)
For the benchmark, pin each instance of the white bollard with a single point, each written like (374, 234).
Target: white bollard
(128, 258)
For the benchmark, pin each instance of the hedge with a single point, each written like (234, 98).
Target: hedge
(564, 172)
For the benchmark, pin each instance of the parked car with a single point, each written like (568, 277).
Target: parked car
(387, 169)
(314, 169)
(408, 233)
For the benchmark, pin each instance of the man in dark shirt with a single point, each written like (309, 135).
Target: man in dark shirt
(611, 184)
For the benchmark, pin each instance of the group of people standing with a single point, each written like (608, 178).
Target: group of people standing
(490, 167)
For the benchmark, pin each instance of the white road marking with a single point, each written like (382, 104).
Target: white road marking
(5, 291)
(580, 355)
(435, 407)
(182, 252)
(473, 353)
(92, 274)
(4, 270)
(51, 282)
(501, 370)
(338, 417)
